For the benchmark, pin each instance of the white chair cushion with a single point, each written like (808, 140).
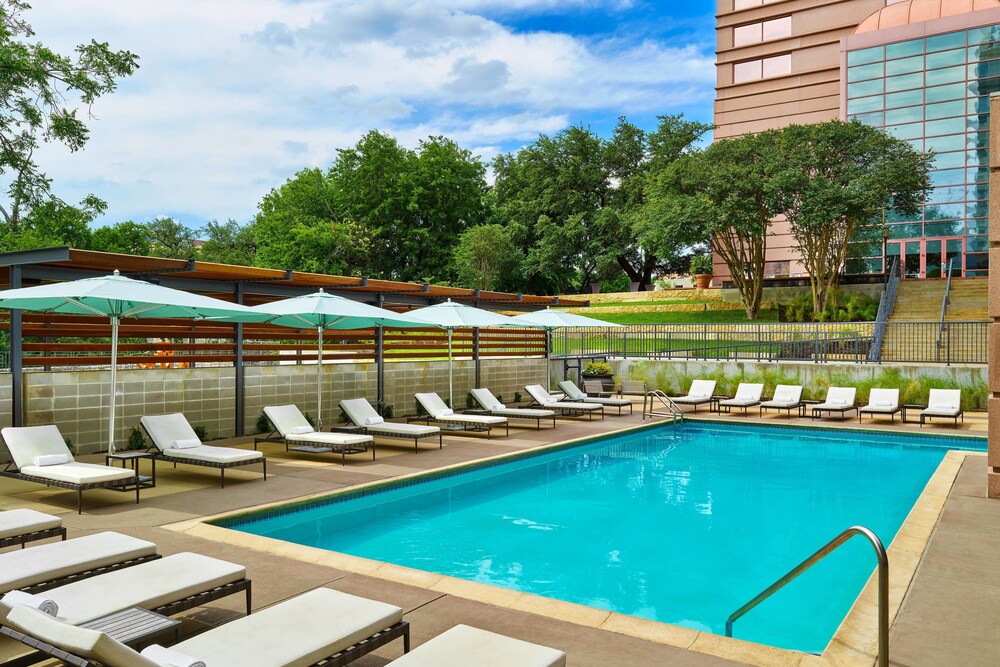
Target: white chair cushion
(25, 567)
(78, 473)
(464, 645)
(404, 429)
(299, 631)
(216, 454)
(331, 438)
(26, 442)
(22, 521)
(146, 585)
(169, 657)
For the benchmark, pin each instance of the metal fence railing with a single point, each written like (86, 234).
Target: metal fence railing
(819, 342)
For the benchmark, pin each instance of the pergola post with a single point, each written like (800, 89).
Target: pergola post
(16, 365)
(379, 361)
(475, 354)
(240, 406)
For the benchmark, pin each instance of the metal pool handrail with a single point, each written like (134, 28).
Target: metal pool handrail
(674, 411)
(830, 547)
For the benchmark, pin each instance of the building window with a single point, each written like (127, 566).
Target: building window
(754, 33)
(750, 4)
(762, 68)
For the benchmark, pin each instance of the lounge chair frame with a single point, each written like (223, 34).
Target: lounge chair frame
(87, 574)
(34, 536)
(471, 427)
(340, 659)
(10, 470)
(562, 411)
(817, 412)
(601, 396)
(955, 417)
(291, 446)
(482, 409)
(164, 455)
(417, 437)
(728, 409)
(798, 405)
(879, 413)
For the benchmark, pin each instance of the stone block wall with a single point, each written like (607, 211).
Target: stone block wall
(78, 401)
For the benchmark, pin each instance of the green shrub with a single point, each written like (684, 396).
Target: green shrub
(309, 418)
(701, 264)
(136, 440)
(70, 446)
(263, 424)
(517, 397)
(420, 407)
(470, 401)
(344, 419)
(388, 412)
(499, 398)
(201, 432)
(840, 307)
(597, 368)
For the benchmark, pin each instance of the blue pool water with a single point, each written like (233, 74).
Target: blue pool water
(681, 525)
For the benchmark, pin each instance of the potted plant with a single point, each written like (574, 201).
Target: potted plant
(598, 370)
(701, 270)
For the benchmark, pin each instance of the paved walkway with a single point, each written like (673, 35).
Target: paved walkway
(960, 568)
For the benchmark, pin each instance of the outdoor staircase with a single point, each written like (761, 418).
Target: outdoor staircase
(920, 301)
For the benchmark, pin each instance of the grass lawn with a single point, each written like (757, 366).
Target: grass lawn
(705, 317)
(675, 302)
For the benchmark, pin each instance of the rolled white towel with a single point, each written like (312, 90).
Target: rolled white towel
(50, 460)
(187, 443)
(38, 602)
(447, 412)
(301, 430)
(169, 657)
(374, 421)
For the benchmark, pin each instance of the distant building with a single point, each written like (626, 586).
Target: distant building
(921, 69)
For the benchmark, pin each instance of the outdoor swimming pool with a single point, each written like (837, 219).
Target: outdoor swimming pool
(681, 525)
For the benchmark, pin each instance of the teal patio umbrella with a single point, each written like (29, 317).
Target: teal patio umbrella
(117, 297)
(549, 320)
(322, 311)
(451, 315)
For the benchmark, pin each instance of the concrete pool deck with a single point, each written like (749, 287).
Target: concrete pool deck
(947, 616)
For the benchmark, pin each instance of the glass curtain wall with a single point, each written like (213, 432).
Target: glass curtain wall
(934, 93)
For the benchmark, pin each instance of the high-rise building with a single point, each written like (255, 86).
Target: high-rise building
(922, 70)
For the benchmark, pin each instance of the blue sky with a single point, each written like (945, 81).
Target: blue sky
(234, 96)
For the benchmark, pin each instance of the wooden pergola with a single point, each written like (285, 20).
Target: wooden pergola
(239, 343)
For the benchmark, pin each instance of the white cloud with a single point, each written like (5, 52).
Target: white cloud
(233, 96)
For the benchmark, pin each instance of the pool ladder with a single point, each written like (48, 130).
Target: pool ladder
(830, 547)
(650, 410)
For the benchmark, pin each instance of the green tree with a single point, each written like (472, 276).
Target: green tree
(727, 196)
(170, 238)
(550, 193)
(129, 238)
(227, 243)
(54, 223)
(838, 178)
(486, 258)
(38, 88)
(297, 226)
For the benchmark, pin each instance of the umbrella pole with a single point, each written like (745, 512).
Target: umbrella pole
(114, 384)
(451, 398)
(319, 382)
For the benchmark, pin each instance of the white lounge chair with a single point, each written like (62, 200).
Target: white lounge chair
(305, 630)
(39, 454)
(177, 442)
(46, 566)
(839, 400)
(786, 397)
(881, 402)
(20, 526)
(438, 411)
(943, 403)
(747, 395)
(594, 389)
(573, 393)
(293, 429)
(547, 401)
(701, 392)
(165, 585)
(463, 645)
(362, 414)
(488, 402)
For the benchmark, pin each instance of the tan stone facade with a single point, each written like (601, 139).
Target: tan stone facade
(993, 458)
